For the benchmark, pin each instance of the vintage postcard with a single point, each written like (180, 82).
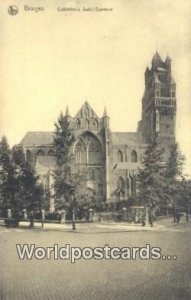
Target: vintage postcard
(95, 149)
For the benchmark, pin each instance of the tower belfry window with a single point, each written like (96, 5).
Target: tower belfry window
(157, 94)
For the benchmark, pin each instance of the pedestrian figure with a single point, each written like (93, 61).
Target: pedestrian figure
(178, 216)
(151, 220)
(150, 215)
(31, 225)
(143, 219)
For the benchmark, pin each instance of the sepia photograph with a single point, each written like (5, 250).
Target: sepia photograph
(95, 150)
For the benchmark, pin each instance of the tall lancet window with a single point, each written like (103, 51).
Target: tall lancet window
(94, 152)
(87, 112)
(80, 153)
(87, 123)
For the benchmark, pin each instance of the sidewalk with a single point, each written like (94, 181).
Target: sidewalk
(96, 227)
(102, 227)
(168, 221)
(92, 227)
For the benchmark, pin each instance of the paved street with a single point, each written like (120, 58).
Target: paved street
(97, 279)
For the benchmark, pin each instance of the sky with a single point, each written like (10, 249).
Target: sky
(50, 59)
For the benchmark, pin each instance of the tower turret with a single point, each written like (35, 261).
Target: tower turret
(168, 63)
(105, 118)
(156, 61)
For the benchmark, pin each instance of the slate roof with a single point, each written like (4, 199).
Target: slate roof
(124, 138)
(46, 138)
(37, 138)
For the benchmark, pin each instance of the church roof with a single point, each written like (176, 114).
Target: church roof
(46, 138)
(124, 138)
(37, 138)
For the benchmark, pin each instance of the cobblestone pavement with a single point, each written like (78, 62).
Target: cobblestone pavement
(95, 279)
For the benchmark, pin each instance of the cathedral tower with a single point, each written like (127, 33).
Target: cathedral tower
(159, 102)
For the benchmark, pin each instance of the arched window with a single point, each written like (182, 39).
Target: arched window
(51, 153)
(133, 185)
(29, 156)
(88, 150)
(80, 153)
(87, 112)
(120, 188)
(121, 184)
(96, 124)
(134, 156)
(78, 123)
(119, 156)
(94, 152)
(87, 123)
(40, 153)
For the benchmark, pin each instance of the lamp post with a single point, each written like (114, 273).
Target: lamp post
(186, 198)
(73, 208)
(73, 219)
(42, 217)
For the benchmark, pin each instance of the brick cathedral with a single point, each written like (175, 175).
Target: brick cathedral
(111, 159)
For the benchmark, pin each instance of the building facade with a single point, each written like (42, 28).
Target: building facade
(111, 159)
